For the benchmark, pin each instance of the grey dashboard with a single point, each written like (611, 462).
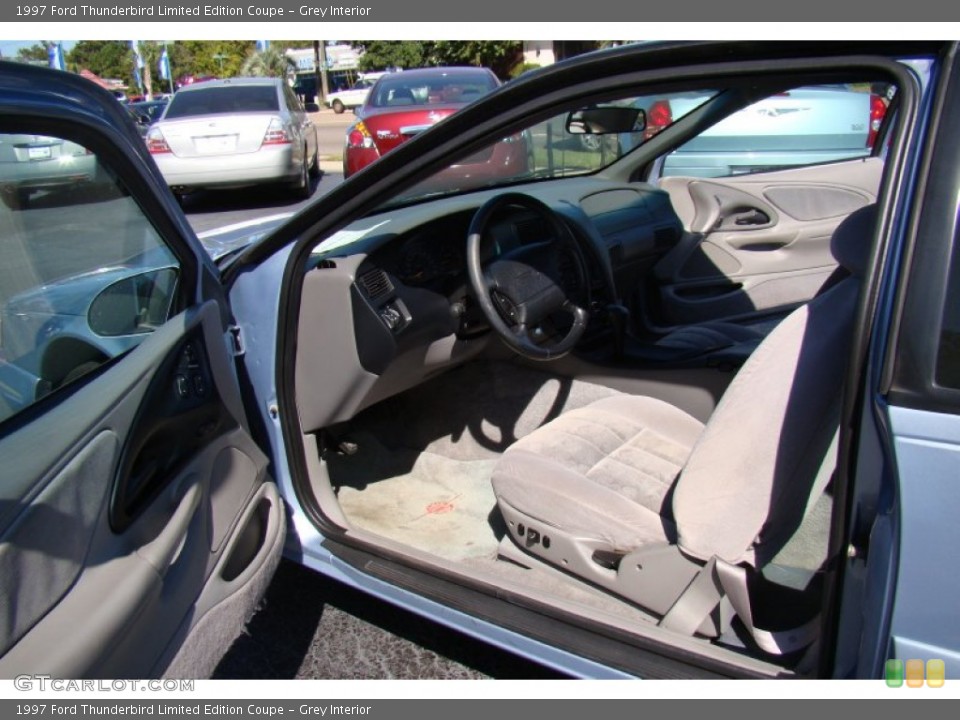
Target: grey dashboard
(401, 278)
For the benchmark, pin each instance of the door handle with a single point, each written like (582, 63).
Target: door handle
(163, 550)
(753, 216)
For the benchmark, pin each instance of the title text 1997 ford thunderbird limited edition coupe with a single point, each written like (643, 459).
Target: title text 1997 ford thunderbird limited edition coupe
(623, 422)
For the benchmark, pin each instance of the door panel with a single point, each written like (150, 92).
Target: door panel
(91, 600)
(135, 508)
(757, 243)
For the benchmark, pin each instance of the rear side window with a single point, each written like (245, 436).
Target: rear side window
(223, 100)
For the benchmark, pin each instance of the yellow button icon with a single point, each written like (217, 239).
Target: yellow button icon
(936, 673)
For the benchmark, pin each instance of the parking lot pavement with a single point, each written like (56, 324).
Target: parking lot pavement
(311, 627)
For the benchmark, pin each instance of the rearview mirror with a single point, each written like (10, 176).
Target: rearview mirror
(606, 120)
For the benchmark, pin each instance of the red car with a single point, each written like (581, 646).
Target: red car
(403, 104)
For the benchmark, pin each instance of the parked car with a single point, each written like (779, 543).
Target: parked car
(353, 96)
(146, 113)
(401, 105)
(235, 133)
(802, 126)
(32, 163)
(508, 403)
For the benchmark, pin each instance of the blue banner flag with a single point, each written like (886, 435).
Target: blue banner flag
(164, 65)
(55, 56)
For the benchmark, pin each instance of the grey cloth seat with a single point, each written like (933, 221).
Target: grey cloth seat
(635, 495)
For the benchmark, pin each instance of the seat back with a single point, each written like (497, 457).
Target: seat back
(747, 484)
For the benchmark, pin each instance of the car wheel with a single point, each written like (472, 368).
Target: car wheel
(301, 188)
(590, 143)
(315, 165)
(338, 107)
(9, 197)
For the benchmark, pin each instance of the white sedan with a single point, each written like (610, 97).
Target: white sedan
(235, 133)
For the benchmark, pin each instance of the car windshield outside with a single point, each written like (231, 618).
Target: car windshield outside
(223, 99)
(553, 151)
(439, 88)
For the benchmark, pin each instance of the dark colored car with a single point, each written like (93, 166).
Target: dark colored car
(146, 113)
(402, 105)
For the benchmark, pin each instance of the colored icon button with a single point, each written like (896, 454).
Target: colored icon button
(914, 673)
(936, 673)
(894, 673)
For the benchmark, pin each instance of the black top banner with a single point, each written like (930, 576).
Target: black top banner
(498, 11)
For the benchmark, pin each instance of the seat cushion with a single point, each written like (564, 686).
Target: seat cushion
(603, 471)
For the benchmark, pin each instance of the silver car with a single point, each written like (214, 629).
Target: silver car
(235, 133)
(33, 163)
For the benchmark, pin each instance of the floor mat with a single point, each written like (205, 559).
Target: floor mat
(434, 503)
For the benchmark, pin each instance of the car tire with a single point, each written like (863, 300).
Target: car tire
(591, 143)
(338, 107)
(315, 164)
(301, 188)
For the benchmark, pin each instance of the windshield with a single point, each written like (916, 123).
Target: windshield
(230, 99)
(558, 148)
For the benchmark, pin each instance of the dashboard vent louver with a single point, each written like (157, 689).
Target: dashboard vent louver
(375, 284)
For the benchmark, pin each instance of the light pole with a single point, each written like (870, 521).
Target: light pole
(220, 57)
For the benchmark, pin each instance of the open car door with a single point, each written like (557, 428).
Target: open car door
(138, 526)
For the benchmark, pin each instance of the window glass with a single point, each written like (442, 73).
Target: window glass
(84, 276)
(803, 126)
(223, 99)
(578, 141)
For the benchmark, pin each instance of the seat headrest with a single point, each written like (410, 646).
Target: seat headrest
(853, 238)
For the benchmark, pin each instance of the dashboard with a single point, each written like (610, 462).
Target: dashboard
(412, 309)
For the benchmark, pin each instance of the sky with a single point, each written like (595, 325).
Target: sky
(8, 48)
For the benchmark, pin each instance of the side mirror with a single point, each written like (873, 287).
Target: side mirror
(133, 305)
(606, 120)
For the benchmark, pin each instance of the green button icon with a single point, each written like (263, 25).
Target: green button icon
(894, 673)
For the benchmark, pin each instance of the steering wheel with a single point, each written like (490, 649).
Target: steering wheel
(522, 291)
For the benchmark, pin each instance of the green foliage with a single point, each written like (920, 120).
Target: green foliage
(522, 68)
(272, 62)
(106, 58)
(37, 51)
(498, 55)
(383, 54)
(221, 58)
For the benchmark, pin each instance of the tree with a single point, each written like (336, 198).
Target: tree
(498, 55)
(220, 58)
(383, 54)
(106, 58)
(37, 51)
(272, 62)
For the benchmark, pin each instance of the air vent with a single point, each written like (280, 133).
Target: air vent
(375, 284)
(327, 264)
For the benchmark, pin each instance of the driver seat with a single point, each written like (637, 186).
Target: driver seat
(686, 520)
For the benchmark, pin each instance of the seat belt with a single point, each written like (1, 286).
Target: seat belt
(723, 587)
